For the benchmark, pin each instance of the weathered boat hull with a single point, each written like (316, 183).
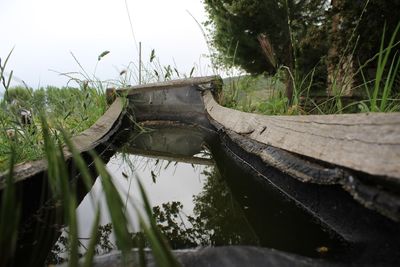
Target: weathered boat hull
(296, 156)
(361, 153)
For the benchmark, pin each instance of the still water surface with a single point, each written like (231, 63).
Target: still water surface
(164, 181)
(213, 203)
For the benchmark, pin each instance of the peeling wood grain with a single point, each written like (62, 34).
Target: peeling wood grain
(89, 138)
(368, 143)
(164, 85)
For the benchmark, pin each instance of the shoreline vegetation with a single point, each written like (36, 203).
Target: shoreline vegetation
(315, 57)
(76, 109)
(72, 109)
(267, 94)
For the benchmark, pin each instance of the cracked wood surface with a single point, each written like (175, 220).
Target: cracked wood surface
(367, 142)
(145, 88)
(89, 138)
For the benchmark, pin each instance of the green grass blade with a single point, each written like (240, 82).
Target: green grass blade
(68, 195)
(379, 72)
(391, 77)
(157, 248)
(50, 151)
(115, 207)
(140, 242)
(365, 84)
(79, 161)
(73, 232)
(162, 251)
(382, 61)
(93, 241)
(9, 217)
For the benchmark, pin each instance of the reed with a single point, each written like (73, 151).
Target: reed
(380, 93)
(63, 191)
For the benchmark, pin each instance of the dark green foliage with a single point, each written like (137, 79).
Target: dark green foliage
(238, 23)
(312, 53)
(328, 38)
(371, 26)
(363, 39)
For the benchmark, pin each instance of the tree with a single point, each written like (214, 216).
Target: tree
(241, 27)
(335, 37)
(356, 31)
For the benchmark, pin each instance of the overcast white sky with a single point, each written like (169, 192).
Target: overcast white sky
(44, 32)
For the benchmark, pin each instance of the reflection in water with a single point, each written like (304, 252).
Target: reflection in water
(217, 218)
(193, 204)
(277, 221)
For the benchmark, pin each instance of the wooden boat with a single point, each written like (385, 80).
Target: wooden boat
(328, 165)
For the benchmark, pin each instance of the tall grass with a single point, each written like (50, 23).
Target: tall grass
(58, 114)
(380, 98)
(64, 192)
(74, 109)
(383, 87)
(381, 93)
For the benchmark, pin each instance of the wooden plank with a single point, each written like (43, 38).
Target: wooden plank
(87, 139)
(367, 142)
(163, 85)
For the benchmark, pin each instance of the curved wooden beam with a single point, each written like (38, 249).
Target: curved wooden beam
(368, 142)
(150, 87)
